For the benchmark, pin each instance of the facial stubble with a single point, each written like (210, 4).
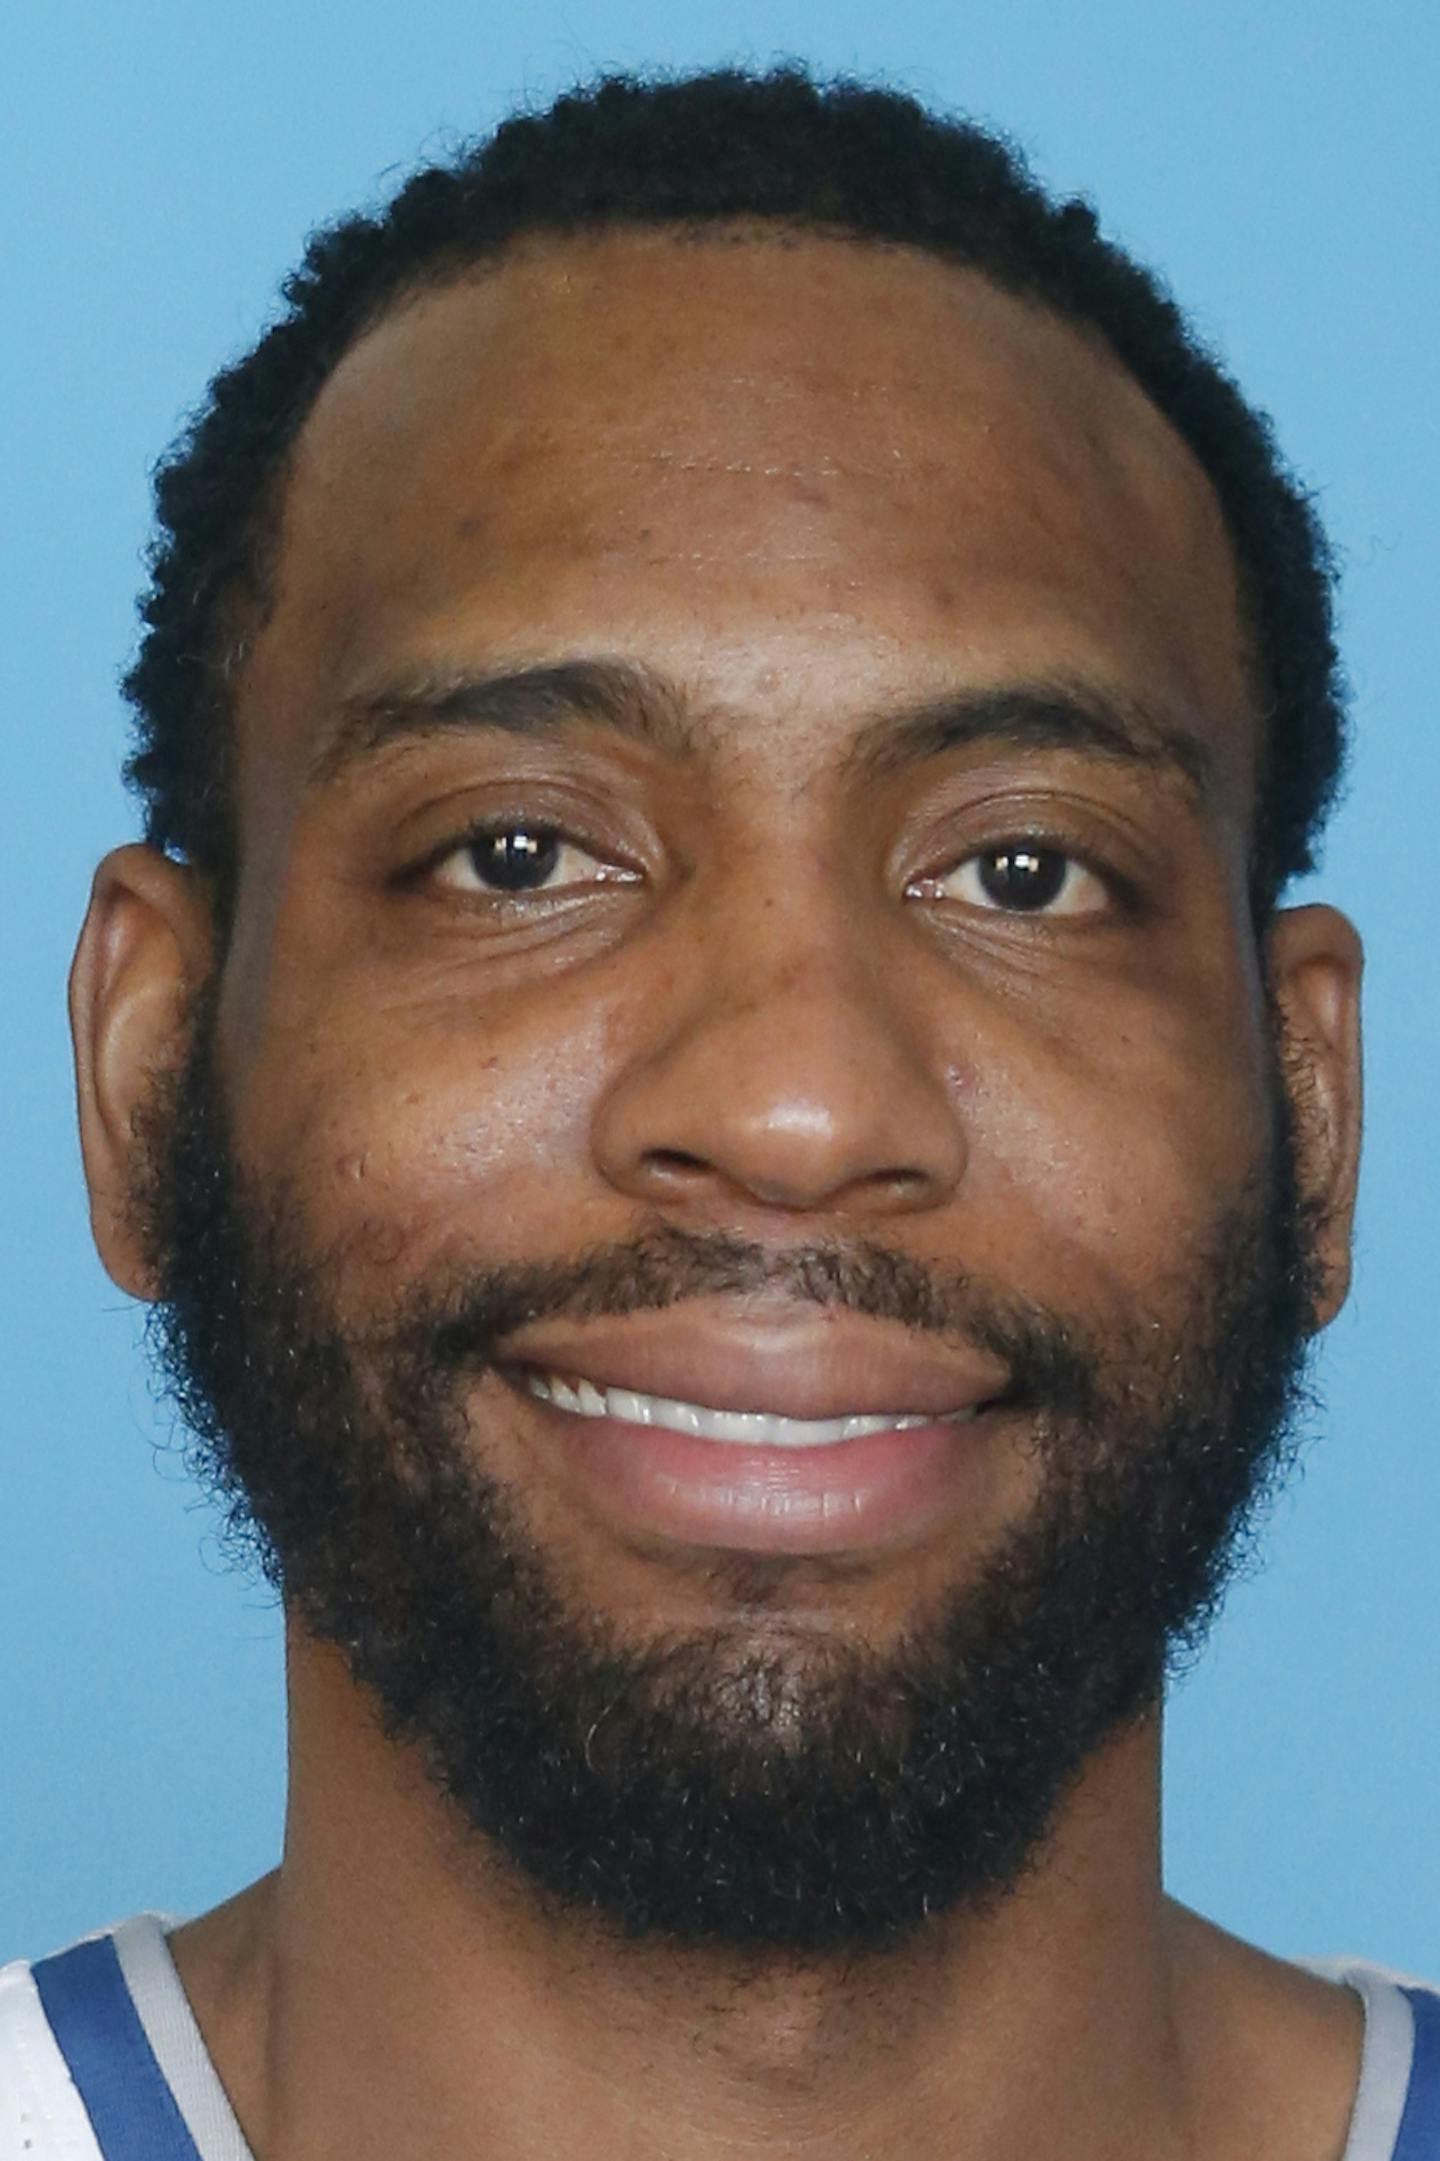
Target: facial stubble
(744, 1787)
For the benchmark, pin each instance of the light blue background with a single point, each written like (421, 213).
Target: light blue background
(1278, 158)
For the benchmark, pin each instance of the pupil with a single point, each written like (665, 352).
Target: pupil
(1023, 877)
(516, 859)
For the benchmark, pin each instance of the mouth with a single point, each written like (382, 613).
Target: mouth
(800, 1436)
(730, 1428)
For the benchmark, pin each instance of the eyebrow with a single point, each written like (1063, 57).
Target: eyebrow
(1063, 714)
(635, 701)
(1057, 714)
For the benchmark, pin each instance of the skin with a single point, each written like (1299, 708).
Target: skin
(811, 483)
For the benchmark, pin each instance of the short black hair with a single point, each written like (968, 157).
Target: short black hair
(842, 158)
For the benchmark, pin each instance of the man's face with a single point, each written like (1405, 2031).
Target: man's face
(745, 793)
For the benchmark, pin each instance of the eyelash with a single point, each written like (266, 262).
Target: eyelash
(1123, 893)
(535, 830)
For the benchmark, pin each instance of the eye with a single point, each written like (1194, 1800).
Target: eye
(506, 860)
(1021, 877)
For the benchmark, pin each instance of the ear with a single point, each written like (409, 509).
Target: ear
(1315, 962)
(146, 947)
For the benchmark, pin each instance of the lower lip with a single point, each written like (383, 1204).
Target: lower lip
(880, 1490)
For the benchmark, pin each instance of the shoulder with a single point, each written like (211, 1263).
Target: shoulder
(1397, 2105)
(42, 2117)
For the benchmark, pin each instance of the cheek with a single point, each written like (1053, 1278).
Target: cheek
(414, 1132)
(1108, 1157)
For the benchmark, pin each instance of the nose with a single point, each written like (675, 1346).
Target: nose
(786, 1065)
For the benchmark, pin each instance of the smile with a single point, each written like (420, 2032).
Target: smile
(749, 1429)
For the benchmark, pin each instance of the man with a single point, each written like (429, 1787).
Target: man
(737, 1159)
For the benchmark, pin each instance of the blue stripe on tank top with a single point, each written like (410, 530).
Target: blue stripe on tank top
(1418, 2138)
(93, 2017)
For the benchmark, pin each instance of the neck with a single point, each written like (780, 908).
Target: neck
(389, 1991)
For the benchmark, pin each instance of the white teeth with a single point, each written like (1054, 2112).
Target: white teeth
(624, 1403)
(757, 1429)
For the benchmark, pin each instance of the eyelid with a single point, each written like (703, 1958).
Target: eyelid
(489, 827)
(1124, 894)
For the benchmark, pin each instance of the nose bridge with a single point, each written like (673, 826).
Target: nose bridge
(798, 946)
(787, 1059)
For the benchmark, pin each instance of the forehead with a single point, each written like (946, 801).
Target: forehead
(740, 458)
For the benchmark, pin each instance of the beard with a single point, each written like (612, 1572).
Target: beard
(738, 1787)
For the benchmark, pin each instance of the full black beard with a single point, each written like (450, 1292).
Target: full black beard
(737, 1788)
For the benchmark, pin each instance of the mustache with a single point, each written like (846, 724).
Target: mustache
(1049, 1359)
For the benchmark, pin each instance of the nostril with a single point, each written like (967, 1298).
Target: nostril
(674, 1162)
(903, 1184)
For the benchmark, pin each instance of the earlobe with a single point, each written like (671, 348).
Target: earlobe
(144, 951)
(1315, 964)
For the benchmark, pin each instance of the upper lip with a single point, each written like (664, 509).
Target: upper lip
(795, 1362)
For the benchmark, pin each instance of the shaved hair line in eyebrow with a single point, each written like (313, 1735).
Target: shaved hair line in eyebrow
(1054, 715)
(620, 694)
